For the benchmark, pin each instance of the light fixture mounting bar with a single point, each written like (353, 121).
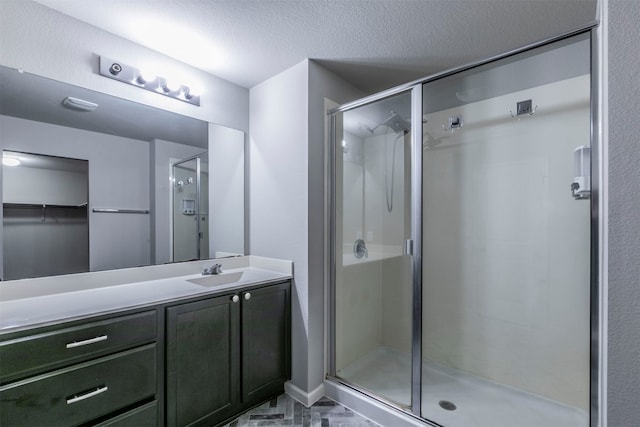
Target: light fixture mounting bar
(128, 74)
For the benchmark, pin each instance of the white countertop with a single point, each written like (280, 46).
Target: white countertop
(41, 302)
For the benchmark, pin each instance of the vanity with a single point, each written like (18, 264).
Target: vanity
(148, 346)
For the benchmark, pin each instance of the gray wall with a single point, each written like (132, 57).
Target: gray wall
(278, 154)
(624, 214)
(287, 196)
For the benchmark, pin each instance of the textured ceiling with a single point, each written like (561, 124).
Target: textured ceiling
(374, 44)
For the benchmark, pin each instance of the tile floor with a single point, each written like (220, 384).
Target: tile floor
(284, 411)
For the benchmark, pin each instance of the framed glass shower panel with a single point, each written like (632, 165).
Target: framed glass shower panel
(373, 272)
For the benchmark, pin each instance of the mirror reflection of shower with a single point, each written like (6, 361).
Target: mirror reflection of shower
(190, 205)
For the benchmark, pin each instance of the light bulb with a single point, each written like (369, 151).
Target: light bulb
(145, 76)
(171, 86)
(10, 161)
(191, 92)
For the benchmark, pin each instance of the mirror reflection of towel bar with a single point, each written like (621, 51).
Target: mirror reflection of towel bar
(131, 211)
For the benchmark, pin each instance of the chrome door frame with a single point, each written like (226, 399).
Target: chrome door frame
(416, 236)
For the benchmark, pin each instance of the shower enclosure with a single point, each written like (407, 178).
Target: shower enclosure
(462, 243)
(190, 208)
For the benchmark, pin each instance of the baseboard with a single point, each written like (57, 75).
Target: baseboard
(307, 399)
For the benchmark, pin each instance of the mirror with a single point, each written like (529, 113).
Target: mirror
(129, 151)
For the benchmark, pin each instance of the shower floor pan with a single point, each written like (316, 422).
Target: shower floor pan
(478, 402)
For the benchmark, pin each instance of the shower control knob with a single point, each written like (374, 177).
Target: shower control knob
(235, 298)
(247, 296)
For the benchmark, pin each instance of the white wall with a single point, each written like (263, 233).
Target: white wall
(48, 43)
(116, 240)
(506, 247)
(373, 294)
(384, 187)
(624, 213)
(227, 186)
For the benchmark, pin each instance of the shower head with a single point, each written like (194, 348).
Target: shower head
(397, 123)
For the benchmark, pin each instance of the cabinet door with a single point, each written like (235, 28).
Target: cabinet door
(202, 362)
(266, 342)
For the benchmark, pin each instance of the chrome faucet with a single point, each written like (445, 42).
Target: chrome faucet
(214, 269)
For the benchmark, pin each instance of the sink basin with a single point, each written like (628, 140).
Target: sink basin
(217, 279)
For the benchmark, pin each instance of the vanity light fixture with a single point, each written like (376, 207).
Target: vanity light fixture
(144, 79)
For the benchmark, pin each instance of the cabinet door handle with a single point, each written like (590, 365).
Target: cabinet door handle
(235, 298)
(247, 296)
(87, 342)
(82, 396)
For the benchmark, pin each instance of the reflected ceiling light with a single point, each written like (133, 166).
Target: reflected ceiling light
(10, 161)
(79, 104)
(146, 80)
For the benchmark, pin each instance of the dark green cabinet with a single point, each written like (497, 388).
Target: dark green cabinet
(226, 354)
(203, 356)
(266, 342)
(96, 371)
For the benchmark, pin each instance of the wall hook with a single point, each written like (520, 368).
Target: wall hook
(522, 108)
(455, 122)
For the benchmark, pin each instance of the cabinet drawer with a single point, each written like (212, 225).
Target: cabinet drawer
(83, 392)
(25, 356)
(143, 416)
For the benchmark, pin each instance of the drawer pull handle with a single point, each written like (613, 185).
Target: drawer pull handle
(87, 342)
(93, 392)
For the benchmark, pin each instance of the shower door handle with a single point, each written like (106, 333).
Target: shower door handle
(408, 247)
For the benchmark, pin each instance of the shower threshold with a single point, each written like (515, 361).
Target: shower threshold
(457, 399)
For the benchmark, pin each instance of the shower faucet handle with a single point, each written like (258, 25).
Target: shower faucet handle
(360, 249)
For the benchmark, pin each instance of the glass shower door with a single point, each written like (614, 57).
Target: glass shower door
(373, 274)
